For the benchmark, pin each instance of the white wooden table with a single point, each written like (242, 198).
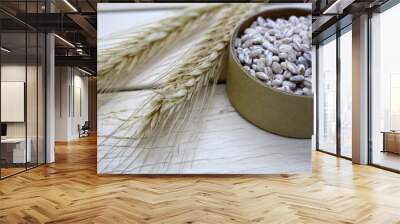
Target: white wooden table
(220, 141)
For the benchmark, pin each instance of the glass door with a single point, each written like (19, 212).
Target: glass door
(385, 90)
(41, 97)
(22, 78)
(32, 98)
(14, 153)
(334, 94)
(327, 96)
(346, 92)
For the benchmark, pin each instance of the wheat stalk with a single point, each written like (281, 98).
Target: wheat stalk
(179, 92)
(199, 66)
(203, 65)
(116, 61)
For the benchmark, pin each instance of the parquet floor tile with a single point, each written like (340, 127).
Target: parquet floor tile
(71, 191)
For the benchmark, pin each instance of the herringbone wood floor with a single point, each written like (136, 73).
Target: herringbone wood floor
(70, 191)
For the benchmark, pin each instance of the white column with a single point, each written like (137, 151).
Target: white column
(360, 90)
(50, 92)
(50, 99)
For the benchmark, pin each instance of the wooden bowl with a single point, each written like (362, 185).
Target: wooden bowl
(273, 110)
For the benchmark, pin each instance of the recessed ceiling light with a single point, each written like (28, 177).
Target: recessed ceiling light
(64, 40)
(84, 71)
(70, 5)
(5, 50)
(337, 7)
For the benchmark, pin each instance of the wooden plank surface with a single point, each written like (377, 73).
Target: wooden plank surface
(220, 141)
(223, 143)
(70, 191)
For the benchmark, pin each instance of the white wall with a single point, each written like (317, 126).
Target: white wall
(14, 72)
(79, 111)
(62, 81)
(70, 83)
(17, 72)
(82, 83)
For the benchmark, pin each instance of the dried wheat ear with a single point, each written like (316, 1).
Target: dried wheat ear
(117, 61)
(195, 73)
(198, 68)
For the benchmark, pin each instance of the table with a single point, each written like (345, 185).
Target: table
(391, 141)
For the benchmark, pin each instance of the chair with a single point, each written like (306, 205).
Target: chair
(84, 130)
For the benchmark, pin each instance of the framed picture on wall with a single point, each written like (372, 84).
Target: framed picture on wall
(12, 101)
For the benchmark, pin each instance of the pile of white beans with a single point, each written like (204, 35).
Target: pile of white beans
(278, 52)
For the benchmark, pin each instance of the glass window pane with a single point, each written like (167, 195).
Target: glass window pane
(385, 87)
(13, 86)
(31, 97)
(327, 97)
(41, 98)
(32, 87)
(22, 88)
(346, 94)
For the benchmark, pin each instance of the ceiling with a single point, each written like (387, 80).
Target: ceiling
(332, 15)
(76, 22)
